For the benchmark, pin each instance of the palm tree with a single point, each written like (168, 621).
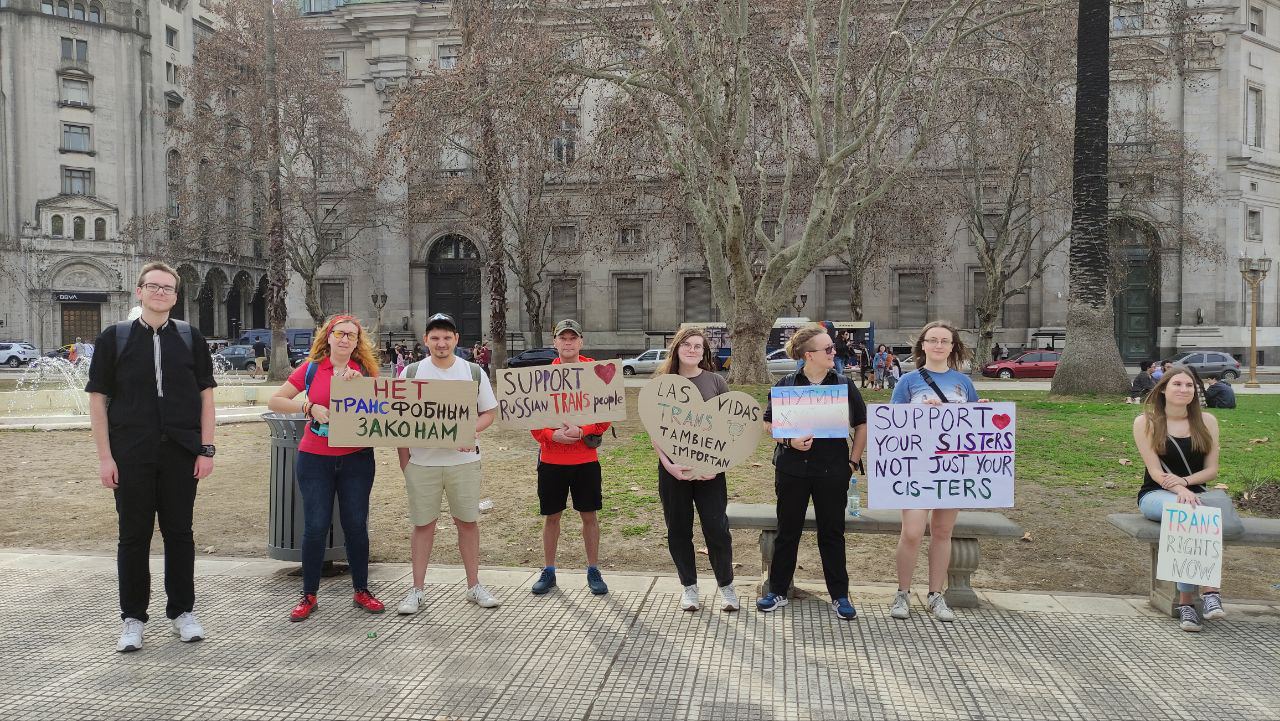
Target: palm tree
(1091, 362)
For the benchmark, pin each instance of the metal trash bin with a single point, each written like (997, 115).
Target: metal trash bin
(285, 521)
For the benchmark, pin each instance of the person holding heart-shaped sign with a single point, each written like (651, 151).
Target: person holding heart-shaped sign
(682, 489)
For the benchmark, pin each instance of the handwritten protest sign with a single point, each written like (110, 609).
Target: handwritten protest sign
(708, 436)
(402, 413)
(573, 393)
(820, 411)
(954, 455)
(1190, 545)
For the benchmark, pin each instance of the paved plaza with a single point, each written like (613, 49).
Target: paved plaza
(629, 655)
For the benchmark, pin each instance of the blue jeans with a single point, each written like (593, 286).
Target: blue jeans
(320, 479)
(1151, 506)
(839, 365)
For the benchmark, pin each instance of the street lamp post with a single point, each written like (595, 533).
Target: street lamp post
(799, 303)
(379, 301)
(1254, 271)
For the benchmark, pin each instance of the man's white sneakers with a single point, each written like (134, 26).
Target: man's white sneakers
(187, 628)
(480, 596)
(412, 601)
(689, 599)
(130, 636)
(729, 598)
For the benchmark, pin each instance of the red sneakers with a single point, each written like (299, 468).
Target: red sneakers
(304, 608)
(364, 599)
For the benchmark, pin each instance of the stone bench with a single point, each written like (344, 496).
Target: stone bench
(1164, 594)
(970, 526)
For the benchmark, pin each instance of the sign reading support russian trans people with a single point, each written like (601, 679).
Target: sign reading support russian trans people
(953, 455)
(819, 411)
(573, 393)
(708, 436)
(403, 413)
(1190, 545)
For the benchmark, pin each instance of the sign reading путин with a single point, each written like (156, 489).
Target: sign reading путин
(954, 455)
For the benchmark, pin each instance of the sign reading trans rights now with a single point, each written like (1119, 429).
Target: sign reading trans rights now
(954, 455)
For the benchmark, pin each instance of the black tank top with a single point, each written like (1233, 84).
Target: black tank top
(1173, 461)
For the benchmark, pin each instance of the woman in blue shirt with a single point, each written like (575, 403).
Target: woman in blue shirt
(938, 353)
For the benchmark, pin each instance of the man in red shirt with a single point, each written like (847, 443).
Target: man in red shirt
(567, 465)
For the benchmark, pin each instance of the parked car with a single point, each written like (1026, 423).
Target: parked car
(238, 357)
(779, 362)
(1032, 364)
(1212, 362)
(646, 362)
(64, 352)
(533, 357)
(17, 353)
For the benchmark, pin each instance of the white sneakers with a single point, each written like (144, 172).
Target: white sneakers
(130, 636)
(480, 596)
(186, 627)
(901, 608)
(729, 599)
(939, 608)
(411, 603)
(689, 599)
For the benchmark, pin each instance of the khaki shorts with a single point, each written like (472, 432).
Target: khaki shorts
(261, 364)
(426, 485)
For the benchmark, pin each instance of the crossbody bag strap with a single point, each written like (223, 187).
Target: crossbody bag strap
(929, 379)
(1181, 455)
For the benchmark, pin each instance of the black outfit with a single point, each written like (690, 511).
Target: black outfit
(557, 482)
(1174, 462)
(154, 439)
(259, 349)
(821, 473)
(678, 501)
(1142, 385)
(1220, 395)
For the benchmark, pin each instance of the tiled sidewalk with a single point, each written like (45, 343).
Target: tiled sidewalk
(631, 654)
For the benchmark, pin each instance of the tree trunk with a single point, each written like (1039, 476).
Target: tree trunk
(311, 294)
(278, 273)
(750, 333)
(497, 256)
(1090, 359)
(986, 340)
(533, 305)
(855, 298)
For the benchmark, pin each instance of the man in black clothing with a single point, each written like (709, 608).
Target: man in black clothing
(259, 357)
(1218, 392)
(152, 414)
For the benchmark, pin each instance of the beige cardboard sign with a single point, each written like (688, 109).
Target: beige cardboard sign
(402, 413)
(707, 436)
(573, 393)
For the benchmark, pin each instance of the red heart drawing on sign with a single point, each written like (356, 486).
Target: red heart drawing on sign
(1001, 420)
(606, 372)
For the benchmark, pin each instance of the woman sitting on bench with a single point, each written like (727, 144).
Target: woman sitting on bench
(1179, 447)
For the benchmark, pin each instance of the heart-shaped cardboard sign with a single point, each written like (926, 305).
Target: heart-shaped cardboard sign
(708, 436)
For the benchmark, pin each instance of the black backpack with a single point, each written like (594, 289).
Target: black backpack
(125, 327)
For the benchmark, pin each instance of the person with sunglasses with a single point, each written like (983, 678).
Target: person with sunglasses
(816, 468)
(341, 350)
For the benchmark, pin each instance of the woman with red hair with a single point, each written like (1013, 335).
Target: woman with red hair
(341, 350)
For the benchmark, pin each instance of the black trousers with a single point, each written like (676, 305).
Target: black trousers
(829, 498)
(678, 501)
(164, 488)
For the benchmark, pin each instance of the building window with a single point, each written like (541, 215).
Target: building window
(46, 7)
(564, 300)
(77, 12)
(77, 228)
(913, 301)
(335, 63)
(95, 14)
(1253, 118)
(449, 56)
(699, 306)
(171, 73)
(1253, 225)
(630, 304)
(64, 10)
(331, 241)
(55, 226)
(1128, 16)
(75, 91)
(75, 138)
(77, 181)
(333, 297)
(629, 238)
(564, 237)
(100, 229)
(565, 145)
(75, 50)
(836, 290)
(171, 37)
(1255, 20)
(137, 19)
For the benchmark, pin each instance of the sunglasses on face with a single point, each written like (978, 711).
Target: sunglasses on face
(829, 350)
(345, 334)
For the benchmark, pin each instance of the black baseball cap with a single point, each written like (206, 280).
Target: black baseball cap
(441, 320)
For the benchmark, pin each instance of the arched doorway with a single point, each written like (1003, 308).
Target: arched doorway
(1137, 306)
(453, 285)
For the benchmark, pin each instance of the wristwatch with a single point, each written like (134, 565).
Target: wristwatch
(208, 451)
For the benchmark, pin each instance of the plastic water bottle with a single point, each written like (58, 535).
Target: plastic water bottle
(855, 503)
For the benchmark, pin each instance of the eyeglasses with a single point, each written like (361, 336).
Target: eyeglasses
(829, 350)
(936, 341)
(690, 346)
(158, 289)
(345, 334)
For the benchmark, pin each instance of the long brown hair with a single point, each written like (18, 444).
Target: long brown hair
(1157, 422)
(671, 364)
(362, 354)
(799, 339)
(959, 351)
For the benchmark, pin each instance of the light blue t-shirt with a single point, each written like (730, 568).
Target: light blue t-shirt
(912, 388)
